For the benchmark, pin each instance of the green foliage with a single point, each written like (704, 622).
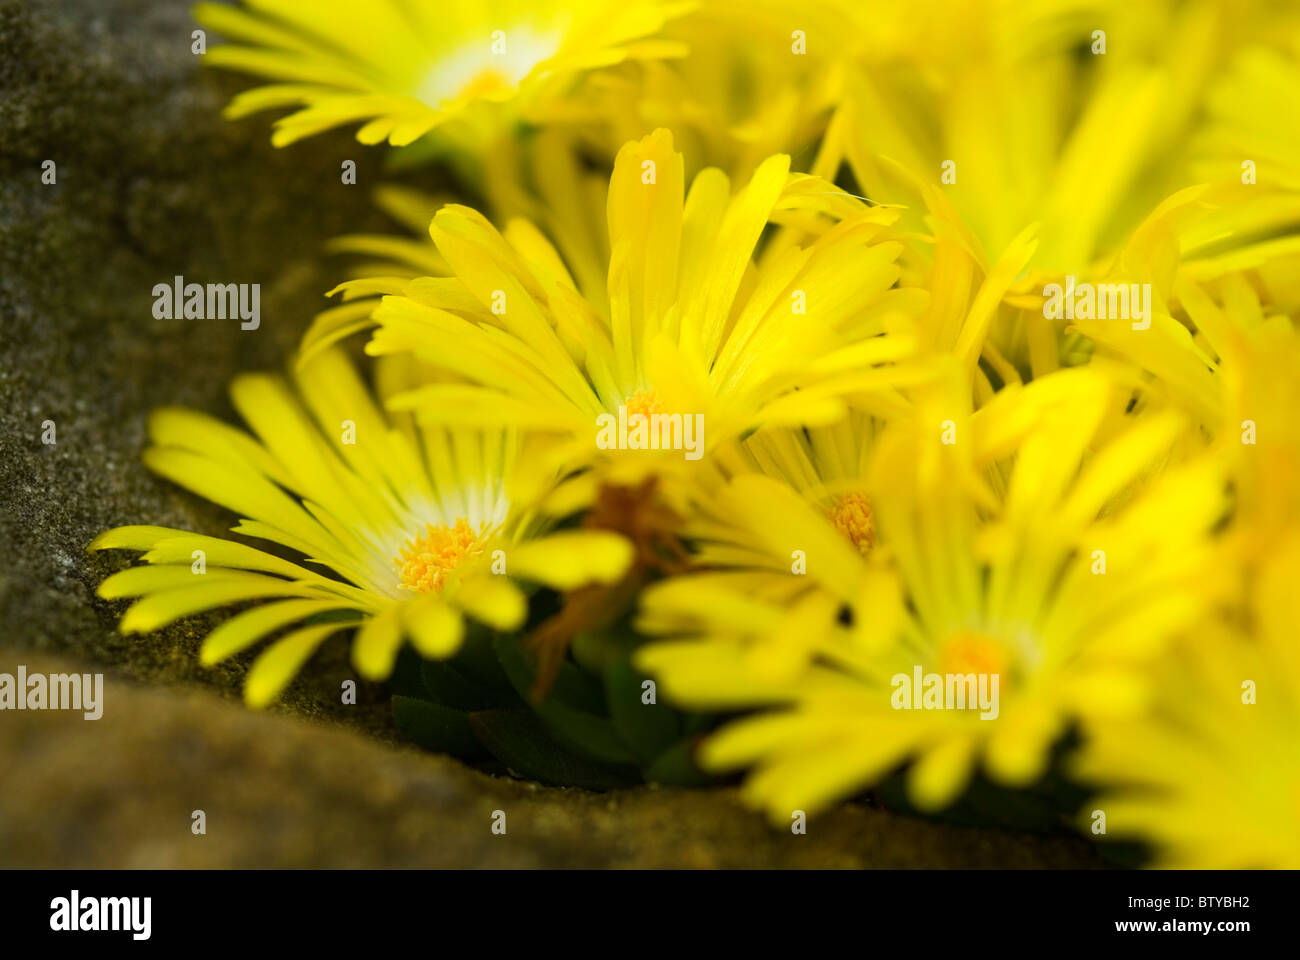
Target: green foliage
(598, 726)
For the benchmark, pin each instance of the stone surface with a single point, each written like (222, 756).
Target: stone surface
(281, 791)
(153, 183)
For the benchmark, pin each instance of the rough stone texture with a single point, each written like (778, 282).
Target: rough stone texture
(153, 183)
(285, 792)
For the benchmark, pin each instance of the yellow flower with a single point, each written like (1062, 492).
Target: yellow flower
(1040, 138)
(1226, 351)
(1060, 575)
(742, 550)
(1253, 115)
(403, 530)
(743, 547)
(688, 325)
(1074, 114)
(758, 80)
(394, 261)
(1212, 777)
(562, 197)
(404, 69)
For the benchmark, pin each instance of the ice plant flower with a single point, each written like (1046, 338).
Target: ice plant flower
(758, 80)
(401, 531)
(1211, 777)
(1253, 115)
(563, 197)
(393, 260)
(403, 69)
(1067, 121)
(1226, 350)
(1005, 106)
(828, 466)
(690, 324)
(1086, 565)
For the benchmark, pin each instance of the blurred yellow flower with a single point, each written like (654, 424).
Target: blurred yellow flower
(1061, 576)
(403, 530)
(925, 474)
(1212, 777)
(1254, 113)
(760, 78)
(1070, 123)
(686, 324)
(403, 69)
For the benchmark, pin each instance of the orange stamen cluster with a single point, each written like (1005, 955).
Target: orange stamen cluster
(644, 402)
(969, 652)
(426, 561)
(851, 516)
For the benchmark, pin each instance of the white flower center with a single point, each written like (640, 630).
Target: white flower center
(494, 64)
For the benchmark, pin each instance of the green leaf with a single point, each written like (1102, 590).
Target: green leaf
(477, 659)
(572, 687)
(647, 728)
(450, 687)
(694, 724)
(519, 740)
(405, 679)
(574, 707)
(590, 649)
(676, 766)
(436, 728)
(586, 733)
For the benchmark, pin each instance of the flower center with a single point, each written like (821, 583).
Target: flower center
(644, 402)
(485, 83)
(490, 65)
(851, 516)
(428, 559)
(969, 652)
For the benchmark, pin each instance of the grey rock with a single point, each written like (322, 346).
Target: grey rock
(282, 791)
(151, 183)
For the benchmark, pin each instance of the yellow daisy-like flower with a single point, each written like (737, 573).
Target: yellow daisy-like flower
(1059, 576)
(1074, 114)
(1226, 351)
(405, 68)
(392, 262)
(828, 466)
(1254, 117)
(761, 78)
(564, 199)
(404, 530)
(690, 325)
(1066, 123)
(1212, 777)
(744, 550)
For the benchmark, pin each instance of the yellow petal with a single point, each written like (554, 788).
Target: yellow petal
(942, 772)
(493, 600)
(244, 629)
(434, 627)
(375, 648)
(280, 662)
(570, 559)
